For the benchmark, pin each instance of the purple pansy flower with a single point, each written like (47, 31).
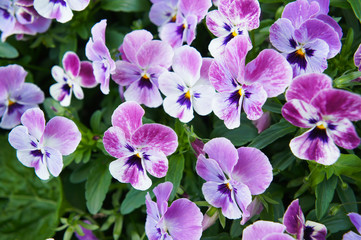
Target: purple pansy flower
(61, 10)
(163, 11)
(253, 209)
(77, 74)
(265, 230)
(19, 17)
(139, 148)
(182, 220)
(306, 44)
(263, 122)
(189, 14)
(233, 176)
(356, 221)
(16, 96)
(143, 61)
(188, 86)
(42, 147)
(294, 221)
(97, 52)
(232, 19)
(357, 58)
(312, 103)
(249, 86)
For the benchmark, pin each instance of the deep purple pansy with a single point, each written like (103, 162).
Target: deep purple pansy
(189, 14)
(232, 18)
(188, 87)
(357, 58)
(19, 17)
(16, 96)
(233, 176)
(143, 61)
(356, 221)
(182, 220)
(139, 148)
(61, 10)
(77, 74)
(97, 52)
(295, 223)
(265, 230)
(313, 103)
(246, 87)
(42, 146)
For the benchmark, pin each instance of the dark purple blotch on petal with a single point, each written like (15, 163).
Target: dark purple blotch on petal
(145, 82)
(146, 156)
(36, 153)
(227, 27)
(331, 126)
(313, 121)
(293, 43)
(33, 144)
(228, 38)
(318, 133)
(307, 233)
(135, 160)
(196, 95)
(66, 89)
(234, 98)
(130, 148)
(180, 29)
(224, 189)
(296, 58)
(62, 2)
(184, 100)
(26, 16)
(6, 14)
(180, 87)
(247, 94)
(220, 177)
(13, 107)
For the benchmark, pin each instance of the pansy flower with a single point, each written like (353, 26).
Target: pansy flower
(143, 61)
(163, 11)
(357, 58)
(356, 221)
(182, 220)
(265, 230)
(232, 176)
(97, 52)
(189, 14)
(295, 223)
(139, 148)
(232, 18)
(41, 146)
(188, 87)
(249, 86)
(16, 96)
(61, 10)
(326, 112)
(77, 74)
(19, 17)
(307, 46)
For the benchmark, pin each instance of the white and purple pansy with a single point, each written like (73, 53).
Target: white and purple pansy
(77, 74)
(355, 218)
(189, 14)
(313, 103)
(61, 10)
(295, 223)
(308, 45)
(249, 86)
(97, 52)
(182, 220)
(139, 148)
(143, 61)
(357, 58)
(232, 19)
(265, 230)
(163, 12)
(19, 17)
(188, 87)
(16, 96)
(41, 146)
(233, 176)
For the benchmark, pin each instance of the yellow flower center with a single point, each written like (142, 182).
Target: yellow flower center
(145, 77)
(10, 103)
(241, 92)
(300, 52)
(187, 95)
(234, 33)
(321, 125)
(173, 19)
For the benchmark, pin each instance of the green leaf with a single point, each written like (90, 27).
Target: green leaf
(356, 7)
(8, 51)
(125, 5)
(273, 106)
(222, 219)
(117, 231)
(337, 223)
(347, 197)
(324, 195)
(81, 173)
(272, 133)
(95, 121)
(339, 3)
(347, 164)
(97, 186)
(347, 80)
(175, 173)
(133, 200)
(29, 206)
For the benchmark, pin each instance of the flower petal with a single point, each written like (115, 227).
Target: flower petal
(153, 218)
(78, 5)
(62, 134)
(86, 75)
(356, 220)
(172, 33)
(162, 193)
(357, 58)
(59, 10)
(115, 143)
(126, 73)
(36, 160)
(315, 231)
(34, 120)
(315, 145)
(12, 116)
(144, 93)
(218, 24)
(260, 229)
(271, 70)
(171, 83)
(161, 13)
(71, 63)
(198, 8)
(156, 136)
(20, 139)
(132, 43)
(54, 161)
(156, 163)
(227, 108)
(294, 219)
(209, 170)
(221, 78)
(179, 107)
(28, 94)
(299, 11)
(300, 113)
(351, 236)
(183, 220)
(344, 134)
(155, 53)
(278, 236)
(12, 78)
(253, 169)
(282, 35)
(254, 98)
(223, 152)
(203, 96)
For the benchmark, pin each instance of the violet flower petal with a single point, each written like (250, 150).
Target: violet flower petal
(71, 63)
(209, 170)
(282, 35)
(126, 73)
(198, 8)
(260, 229)
(344, 134)
(86, 75)
(162, 193)
(144, 93)
(60, 10)
(356, 220)
(115, 143)
(54, 161)
(155, 53)
(155, 162)
(294, 219)
(300, 113)
(228, 108)
(132, 43)
(299, 11)
(254, 98)
(34, 121)
(357, 58)
(20, 139)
